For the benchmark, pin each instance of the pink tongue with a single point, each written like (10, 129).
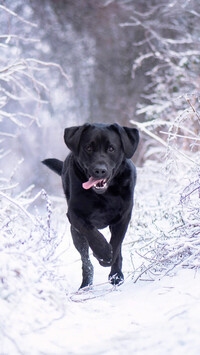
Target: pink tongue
(88, 184)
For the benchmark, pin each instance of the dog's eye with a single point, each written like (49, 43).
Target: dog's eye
(89, 148)
(111, 149)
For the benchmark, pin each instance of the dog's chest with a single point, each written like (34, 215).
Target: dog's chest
(105, 212)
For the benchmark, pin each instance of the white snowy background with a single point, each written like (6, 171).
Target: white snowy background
(157, 309)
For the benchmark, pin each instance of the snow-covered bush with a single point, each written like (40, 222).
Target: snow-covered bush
(166, 222)
(169, 53)
(25, 99)
(32, 287)
(167, 207)
(168, 195)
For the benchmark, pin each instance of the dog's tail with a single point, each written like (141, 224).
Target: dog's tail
(54, 164)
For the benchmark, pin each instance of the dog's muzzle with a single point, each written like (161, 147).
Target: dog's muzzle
(98, 185)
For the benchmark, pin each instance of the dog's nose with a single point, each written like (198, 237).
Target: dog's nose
(100, 171)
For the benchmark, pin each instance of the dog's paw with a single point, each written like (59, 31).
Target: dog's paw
(105, 258)
(105, 262)
(117, 278)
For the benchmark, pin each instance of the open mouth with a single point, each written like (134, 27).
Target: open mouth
(97, 184)
(101, 184)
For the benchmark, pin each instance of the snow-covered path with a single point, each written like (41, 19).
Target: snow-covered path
(41, 312)
(160, 317)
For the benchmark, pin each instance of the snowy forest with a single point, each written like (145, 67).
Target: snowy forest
(64, 63)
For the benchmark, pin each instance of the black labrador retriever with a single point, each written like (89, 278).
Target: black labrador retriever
(98, 180)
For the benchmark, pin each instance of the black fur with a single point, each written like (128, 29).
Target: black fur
(103, 152)
(54, 164)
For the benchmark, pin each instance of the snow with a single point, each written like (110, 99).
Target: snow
(155, 312)
(160, 317)
(146, 317)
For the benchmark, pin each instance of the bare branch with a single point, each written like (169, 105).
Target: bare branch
(18, 205)
(50, 64)
(8, 37)
(4, 8)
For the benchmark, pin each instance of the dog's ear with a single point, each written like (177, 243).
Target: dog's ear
(129, 138)
(72, 136)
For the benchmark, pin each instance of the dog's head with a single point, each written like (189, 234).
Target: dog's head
(100, 150)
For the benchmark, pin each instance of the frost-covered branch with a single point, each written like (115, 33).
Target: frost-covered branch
(169, 53)
(13, 201)
(167, 227)
(30, 279)
(168, 232)
(22, 80)
(167, 144)
(14, 14)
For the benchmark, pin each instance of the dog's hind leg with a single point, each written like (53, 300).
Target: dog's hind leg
(81, 244)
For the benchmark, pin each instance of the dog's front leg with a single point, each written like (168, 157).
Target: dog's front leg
(101, 248)
(82, 246)
(118, 232)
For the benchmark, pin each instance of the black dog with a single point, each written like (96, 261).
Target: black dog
(98, 180)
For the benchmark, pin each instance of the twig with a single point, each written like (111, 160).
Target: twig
(17, 16)
(50, 64)
(193, 109)
(89, 293)
(161, 141)
(18, 205)
(26, 39)
(180, 136)
(145, 270)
